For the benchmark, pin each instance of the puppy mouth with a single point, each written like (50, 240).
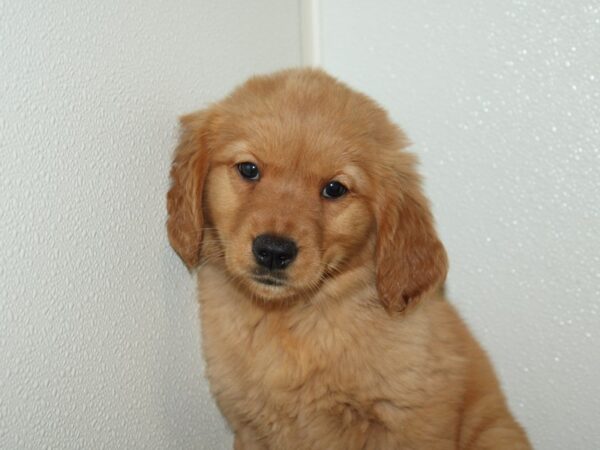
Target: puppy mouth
(268, 278)
(269, 281)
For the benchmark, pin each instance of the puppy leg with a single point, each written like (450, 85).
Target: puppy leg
(244, 440)
(489, 426)
(500, 437)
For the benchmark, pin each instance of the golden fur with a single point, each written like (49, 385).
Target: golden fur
(357, 349)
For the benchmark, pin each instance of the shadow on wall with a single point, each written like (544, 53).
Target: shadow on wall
(186, 406)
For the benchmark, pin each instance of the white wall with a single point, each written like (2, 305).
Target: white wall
(502, 102)
(99, 341)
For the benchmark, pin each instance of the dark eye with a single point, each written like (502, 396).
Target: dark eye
(249, 170)
(334, 189)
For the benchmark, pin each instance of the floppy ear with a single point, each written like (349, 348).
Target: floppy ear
(184, 200)
(410, 259)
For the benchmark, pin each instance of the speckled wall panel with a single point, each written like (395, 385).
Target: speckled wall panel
(502, 102)
(99, 341)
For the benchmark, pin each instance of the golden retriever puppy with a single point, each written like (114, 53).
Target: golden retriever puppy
(319, 271)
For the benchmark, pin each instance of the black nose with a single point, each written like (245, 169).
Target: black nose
(274, 252)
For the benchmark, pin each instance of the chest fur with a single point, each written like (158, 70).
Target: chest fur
(350, 371)
(272, 367)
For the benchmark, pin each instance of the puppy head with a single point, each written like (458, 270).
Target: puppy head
(295, 178)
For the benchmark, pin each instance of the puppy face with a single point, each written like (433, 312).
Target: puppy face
(285, 215)
(293, 179)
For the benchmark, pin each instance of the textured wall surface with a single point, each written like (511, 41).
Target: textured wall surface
(99, 341)
(502, 102)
